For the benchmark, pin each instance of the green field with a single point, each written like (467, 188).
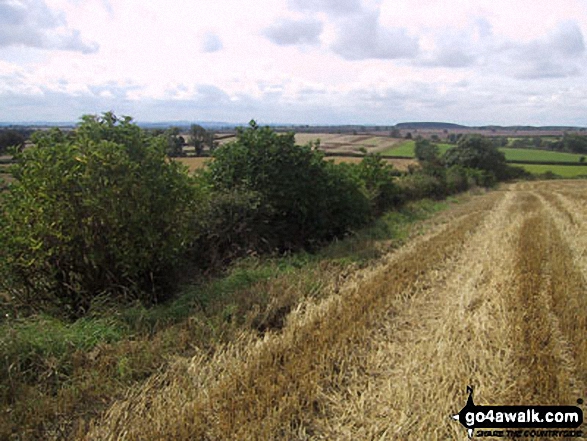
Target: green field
(407, 149)
(566, 171)
(538, 155)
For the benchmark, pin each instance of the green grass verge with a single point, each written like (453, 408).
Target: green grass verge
(565, 171)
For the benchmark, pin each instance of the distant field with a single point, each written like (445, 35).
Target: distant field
(194, 163)
(538, 155)
(400, 164)
(566, 171)
(406, 148)
(348, 143)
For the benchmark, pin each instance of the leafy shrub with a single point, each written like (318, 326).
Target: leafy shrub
(377, 177)
(103, 214)
(457, 179)
(482, 178)
(514, 172)
(235, 224)
(421, 185)
(303, 198)
(479, 153)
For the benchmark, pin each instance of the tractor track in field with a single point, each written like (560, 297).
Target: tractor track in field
(494, 297)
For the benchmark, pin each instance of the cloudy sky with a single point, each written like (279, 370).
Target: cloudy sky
(297, 61)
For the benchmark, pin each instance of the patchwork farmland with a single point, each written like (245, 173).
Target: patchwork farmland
(400, 153)
(492, 295)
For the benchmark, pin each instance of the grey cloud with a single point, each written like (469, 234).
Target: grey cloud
(557, 55)
(115, 91)
(506, 101)
(362, 37)
(457, 49)
(484, 27)
(289, 32)
(212, 43)
(565, 41)
(335, 7)
(31, 23)
(450, 56)
(545, 69)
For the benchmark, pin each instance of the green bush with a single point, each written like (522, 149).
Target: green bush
(235, 224)
(101, 213)
(421, 185)
(304, 199)
(457, 179)
(377, 177)
(482, 178)
(479, 153)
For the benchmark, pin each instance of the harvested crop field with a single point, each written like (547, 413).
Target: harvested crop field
(194, 163)
(491, 295)
(348, 143)
(400, 164)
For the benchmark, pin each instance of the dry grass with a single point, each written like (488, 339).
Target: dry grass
(399, 164)
(274, 388)
(493, 298)
(194, 163)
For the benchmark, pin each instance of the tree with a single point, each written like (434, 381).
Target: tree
(175, 142)
(101, 214)
(479, 153)
(210, 141)
(426, 151)
(575, 143)
(199, 138)
(11, 138)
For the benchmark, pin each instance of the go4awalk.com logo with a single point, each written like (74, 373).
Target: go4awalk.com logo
(520, 421)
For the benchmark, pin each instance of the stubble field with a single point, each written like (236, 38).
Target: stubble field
(492, 295)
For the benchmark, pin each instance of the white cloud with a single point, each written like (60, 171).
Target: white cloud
(558, 54)
(362, 37)
(307, 61)
(31, 23)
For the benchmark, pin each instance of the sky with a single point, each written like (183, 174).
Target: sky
(378, 62)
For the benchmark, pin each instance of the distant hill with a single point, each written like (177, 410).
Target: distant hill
(213, 125)
(451, 126)
(429, 125)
